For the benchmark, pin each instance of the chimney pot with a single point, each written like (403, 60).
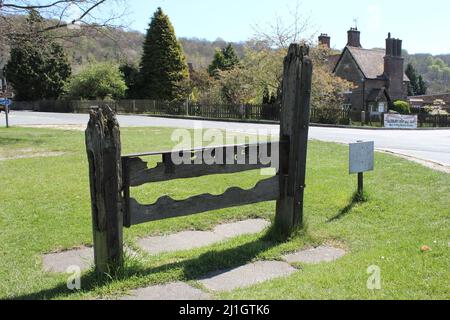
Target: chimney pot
(325, 40)
(354, 38)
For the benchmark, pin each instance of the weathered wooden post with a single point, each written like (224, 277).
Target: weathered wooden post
(105, 175)
(294, 138)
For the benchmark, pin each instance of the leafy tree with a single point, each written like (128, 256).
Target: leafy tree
(98, 81)
(163, 66)
(38, 68)
(238, 86)
(224, 60)
(205, 89)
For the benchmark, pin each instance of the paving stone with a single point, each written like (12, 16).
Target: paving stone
(82, 258)
(316, 255)
(180, 241)
(172, 291)
(196, 239)
(247, 275)
(59, 262)
(231, 230)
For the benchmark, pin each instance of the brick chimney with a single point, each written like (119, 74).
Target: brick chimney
(325, 40)
(393, 68)
(354, 38)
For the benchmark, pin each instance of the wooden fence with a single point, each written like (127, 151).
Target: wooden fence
(112, 175)
(435, 121)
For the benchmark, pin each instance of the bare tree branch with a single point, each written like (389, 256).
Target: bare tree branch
(30, 7)
(60, 14)
(285, 30)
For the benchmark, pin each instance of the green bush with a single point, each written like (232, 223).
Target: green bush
(401, 107)
(98, 81)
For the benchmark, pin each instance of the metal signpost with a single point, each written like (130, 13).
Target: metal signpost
(6, 103)
(361, 160)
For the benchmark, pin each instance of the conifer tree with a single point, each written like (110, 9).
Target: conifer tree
(163, 68)
(417, 85)
(224, 60)
(412, 75)
(422, 86)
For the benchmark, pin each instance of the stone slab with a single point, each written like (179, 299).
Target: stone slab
(82, 258)
(59, 262)
(196, 239)
(231, 230)
(171, 291)
(247, 275)
(316, 255)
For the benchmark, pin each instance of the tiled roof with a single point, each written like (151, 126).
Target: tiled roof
(370, 61)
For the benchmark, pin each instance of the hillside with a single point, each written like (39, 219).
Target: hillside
(120, 45)
(435, 70)
(126, 46)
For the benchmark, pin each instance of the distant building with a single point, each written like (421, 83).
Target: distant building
(378, 74)
(418, 102)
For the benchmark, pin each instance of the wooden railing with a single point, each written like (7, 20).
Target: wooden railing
(112, 176)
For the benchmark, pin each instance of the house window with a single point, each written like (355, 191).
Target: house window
(379, 107)
(373, 108)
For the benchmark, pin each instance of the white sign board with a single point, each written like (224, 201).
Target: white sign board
(362, 157)
(398, 121)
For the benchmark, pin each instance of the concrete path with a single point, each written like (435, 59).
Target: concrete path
(195, 239)
(220, 281)
(60, 262)
(84, 257)
(315, 256)
(429, 145)
(246, 276)
(171, 291)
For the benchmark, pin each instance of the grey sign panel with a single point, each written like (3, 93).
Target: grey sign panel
(362, 157)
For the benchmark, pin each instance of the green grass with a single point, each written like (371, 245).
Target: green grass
(44, 206)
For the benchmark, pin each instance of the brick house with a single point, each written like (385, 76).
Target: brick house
(378, 74)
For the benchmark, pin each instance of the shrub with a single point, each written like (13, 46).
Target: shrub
(98, 81)
(401, 107)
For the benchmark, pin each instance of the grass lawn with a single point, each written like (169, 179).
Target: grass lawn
(45, 206)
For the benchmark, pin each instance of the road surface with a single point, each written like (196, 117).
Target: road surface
(428, 145)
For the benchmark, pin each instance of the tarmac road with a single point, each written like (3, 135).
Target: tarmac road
(428, 145)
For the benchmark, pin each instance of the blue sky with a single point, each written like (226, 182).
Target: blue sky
(423, 25)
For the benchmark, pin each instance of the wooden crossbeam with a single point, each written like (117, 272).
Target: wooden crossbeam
(200, 162)
(166, 207)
